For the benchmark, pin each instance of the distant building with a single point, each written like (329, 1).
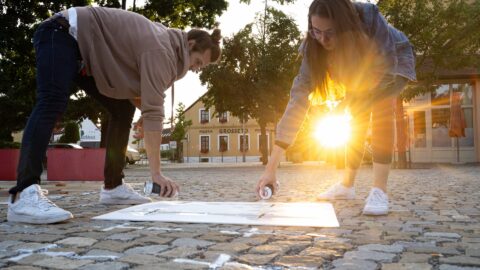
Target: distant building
(214, 138)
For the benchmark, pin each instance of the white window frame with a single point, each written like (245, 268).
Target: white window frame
(218, 140)
(228, 117)
(200, 115)
(249, 141)
(200, 142)
(258, 141)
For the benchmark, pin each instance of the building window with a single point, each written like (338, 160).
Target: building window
(222, 118)
(419, 129)
(204, 116)
(442, 99)
(223, 143)
(204, 144)
(440, 125)
(243, 143)
(441, 96)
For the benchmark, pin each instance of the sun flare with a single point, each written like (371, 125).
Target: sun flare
(333, 130)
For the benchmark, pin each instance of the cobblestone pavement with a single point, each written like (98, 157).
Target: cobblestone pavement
(433, 224)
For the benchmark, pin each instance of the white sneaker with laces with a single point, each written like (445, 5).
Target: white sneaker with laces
(32, 206)
(123, 194)
(338, 192)
(376, 203)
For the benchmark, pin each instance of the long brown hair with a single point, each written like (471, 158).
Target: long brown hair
(354, 55)
(205, 41)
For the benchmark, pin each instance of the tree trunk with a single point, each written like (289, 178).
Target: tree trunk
(401, 135)
(263, 143)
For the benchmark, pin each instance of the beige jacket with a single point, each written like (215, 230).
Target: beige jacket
(130, 56)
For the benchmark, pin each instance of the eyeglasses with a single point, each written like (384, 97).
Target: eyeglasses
(318, 34)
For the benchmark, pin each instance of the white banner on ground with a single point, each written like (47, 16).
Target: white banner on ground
(304, 214)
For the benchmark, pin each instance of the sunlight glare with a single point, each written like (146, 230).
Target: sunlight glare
(333, 130)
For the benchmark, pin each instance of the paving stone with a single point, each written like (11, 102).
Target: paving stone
(473, 252)
(61, 263)
(406, 266)
(354, 264)
(180, 252)
(299, 262)
(269, 249)
(4, 245)
(230, 247)
(328, 254)
(253, 241)
(102, 255)
(434, 250)
(455, 267)
(106, 266)
(190, 242)
(115, 246)
(155, 240)
(235, 266)
(152, 250)
(256, 259)
(461, 260)
(382, 248)
(370, 255)
(141, 259)
(123, 236)
(32, 247)
(77, 241)
(410, 257)
(21, 267)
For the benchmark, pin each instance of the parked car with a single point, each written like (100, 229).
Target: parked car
(132, 155)
(64, 145)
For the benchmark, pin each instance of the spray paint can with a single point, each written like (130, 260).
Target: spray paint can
(150, 187)
(266, 193)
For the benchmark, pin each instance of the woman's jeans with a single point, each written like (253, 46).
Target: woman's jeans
(57, 59)
(381, 109)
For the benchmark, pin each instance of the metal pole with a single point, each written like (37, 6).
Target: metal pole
(243, 139)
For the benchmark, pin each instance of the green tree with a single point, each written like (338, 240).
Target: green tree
(255, 72)
(180, 130)
(445, 35)
(71, 133)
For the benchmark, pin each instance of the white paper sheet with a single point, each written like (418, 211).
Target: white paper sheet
(307, 214)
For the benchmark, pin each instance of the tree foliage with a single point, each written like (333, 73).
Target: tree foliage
(180, 129)
(71, 133)
(255, 72)
(183, 13)
(445, 35)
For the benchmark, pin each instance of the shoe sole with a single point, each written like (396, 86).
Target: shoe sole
(35, 220)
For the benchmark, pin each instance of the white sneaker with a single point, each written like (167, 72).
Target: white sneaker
(32, 206)
(338, 192)
(123, 194)
(376, 203)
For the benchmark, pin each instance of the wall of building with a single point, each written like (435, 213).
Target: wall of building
(233, 129)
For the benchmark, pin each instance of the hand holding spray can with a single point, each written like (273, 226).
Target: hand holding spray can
(151, 187)
(267, 191)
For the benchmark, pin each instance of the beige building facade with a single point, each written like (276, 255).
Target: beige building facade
(214, 138)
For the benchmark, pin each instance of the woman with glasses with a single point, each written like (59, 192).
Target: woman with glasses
(349, 46)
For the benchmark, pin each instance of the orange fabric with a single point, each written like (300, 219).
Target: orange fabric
(457, 117)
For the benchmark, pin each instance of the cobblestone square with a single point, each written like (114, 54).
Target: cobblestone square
(433, 224)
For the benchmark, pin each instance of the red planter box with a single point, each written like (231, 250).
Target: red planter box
(75, 164)
(8, 164)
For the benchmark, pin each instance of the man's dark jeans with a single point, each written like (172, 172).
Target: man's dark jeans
(57, 58)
